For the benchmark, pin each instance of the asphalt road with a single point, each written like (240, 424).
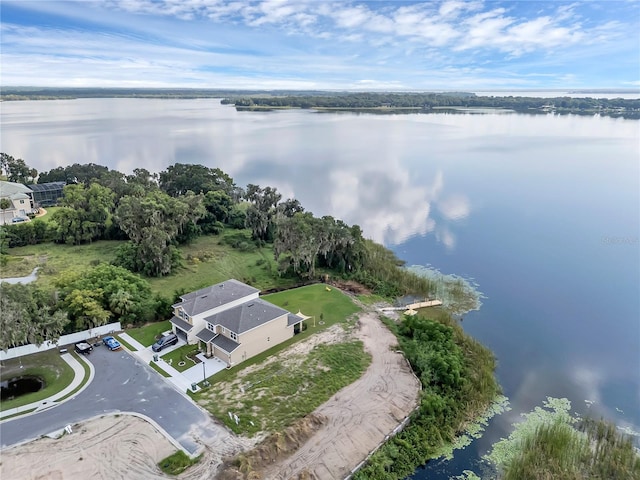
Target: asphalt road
(122, 384)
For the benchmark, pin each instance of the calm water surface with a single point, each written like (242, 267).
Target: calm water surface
(543, 212)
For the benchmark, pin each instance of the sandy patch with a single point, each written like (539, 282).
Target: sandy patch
(360, 415)
(105, 448)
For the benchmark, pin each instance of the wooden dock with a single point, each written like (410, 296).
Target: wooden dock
(414, 306)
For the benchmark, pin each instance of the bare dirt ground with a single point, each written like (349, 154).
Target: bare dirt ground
(357, 419)
(104, 448)
(360, 415)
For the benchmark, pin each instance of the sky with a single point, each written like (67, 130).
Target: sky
(324, 45)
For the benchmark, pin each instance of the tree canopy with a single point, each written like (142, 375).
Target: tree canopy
(29, 315)
(16, 170)
(153, 223)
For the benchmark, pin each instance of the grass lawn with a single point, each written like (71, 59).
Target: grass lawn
(148, 334)
(125, 344)
(328, 305)
(55, 372)
(177, 463)
(180, 355)
(274, 395)
(158, 369)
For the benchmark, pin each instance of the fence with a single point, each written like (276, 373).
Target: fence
(63, 340)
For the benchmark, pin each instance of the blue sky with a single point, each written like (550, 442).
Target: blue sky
(315, 44)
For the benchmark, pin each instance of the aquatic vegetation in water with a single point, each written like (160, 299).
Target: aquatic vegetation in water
(553, 409)
(476, 429)
(467, 475)
(550, 443)
(459, 295)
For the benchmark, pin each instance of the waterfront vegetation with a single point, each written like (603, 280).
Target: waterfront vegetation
(550, 443)
(456, 373)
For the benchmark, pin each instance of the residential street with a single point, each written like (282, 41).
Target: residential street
(124, 384)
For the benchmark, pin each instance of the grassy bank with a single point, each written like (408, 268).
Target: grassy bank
(49, 366)
(456, 373)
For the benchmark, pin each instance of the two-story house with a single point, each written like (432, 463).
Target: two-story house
(232, 321)
(17, 200)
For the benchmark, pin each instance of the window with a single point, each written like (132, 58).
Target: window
(211, 327)
(268, 339)
(233, 336)
(21, 202)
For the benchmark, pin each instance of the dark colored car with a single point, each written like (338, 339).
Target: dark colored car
(83, 347)
(111, 343)
(19, 219)
(164, 342)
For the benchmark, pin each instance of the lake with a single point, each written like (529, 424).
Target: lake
(542, 212)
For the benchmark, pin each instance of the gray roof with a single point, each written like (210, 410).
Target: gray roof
(205, 335)
(214, 296)
(225, 343)
(181, 324)
(7, 189)
(292, 319)
(249, 315)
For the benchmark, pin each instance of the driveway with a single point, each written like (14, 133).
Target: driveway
(123, 383)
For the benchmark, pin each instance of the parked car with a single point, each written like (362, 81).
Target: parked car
(83, 347)
(19, 219)
(164, 342)
(111, 343)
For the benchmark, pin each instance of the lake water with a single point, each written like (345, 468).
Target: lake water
(543, 212)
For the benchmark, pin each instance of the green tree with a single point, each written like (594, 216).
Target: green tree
(16, 170)
(5, 204)
(153, 223)
(85, 307)
(29, 315)
(85, 214)
(124, 295)
(180, 178)
(261, 212)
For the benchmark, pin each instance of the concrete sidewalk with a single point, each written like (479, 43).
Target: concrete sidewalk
(78, 378)
(145, 354)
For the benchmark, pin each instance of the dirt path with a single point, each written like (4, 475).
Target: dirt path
(360, 415)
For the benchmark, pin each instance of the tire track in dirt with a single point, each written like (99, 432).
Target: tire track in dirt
(360, 415)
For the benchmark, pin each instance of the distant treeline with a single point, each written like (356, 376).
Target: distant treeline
(426, 102)
(46, 93)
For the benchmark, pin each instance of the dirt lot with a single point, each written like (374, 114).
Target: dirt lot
(360, 415)
(357, 419)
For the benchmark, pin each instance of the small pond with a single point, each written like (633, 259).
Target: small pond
(17, 386)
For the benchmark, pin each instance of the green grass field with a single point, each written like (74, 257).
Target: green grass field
(274, 395)
(148, 334)
(326, 304)
(55, 372)
(206, 262)
(54, 258)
